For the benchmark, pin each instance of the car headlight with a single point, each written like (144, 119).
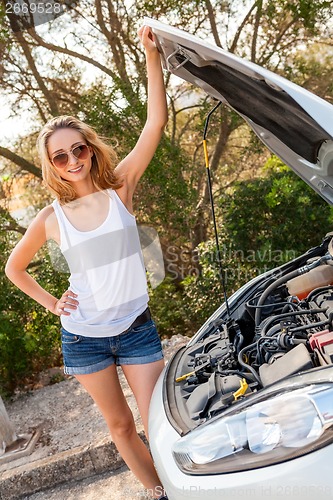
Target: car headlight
(275, 429)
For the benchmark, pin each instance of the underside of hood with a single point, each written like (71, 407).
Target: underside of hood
(293, 123)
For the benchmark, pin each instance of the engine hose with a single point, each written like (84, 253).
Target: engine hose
(299, 341)
(330, 320)
(276, 304)
(238, 342)
(307, 327)
(284, 279)
(248, 376)
(269, 290)
(290, 314)
(261, 347)
(272, 331)
(290, 306)
(318, 291)
(245, 365)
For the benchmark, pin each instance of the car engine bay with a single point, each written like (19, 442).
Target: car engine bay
(282, 328)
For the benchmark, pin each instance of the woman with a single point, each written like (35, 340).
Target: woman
(104, 314)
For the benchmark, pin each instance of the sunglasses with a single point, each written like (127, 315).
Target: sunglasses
(80, 152)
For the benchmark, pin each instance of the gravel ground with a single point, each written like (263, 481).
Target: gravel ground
(116, 485)
(69, 420)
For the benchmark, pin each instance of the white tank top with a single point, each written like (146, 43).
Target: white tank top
(107, 272)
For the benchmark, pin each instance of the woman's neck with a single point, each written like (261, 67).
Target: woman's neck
(84, 188)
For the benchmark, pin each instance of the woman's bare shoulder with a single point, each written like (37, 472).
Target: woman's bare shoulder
(45, 212)
(46, 217)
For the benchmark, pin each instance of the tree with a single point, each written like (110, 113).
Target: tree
(104, 38)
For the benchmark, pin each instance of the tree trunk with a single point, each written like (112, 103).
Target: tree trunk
(7, 433)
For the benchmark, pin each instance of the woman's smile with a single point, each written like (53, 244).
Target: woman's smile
(76, 169)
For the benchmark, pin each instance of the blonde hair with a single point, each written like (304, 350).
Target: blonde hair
(103, 160)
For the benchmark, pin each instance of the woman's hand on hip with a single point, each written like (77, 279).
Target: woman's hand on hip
(66, 304)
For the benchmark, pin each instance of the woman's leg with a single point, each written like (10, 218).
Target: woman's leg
(105, 389)
(142, 380)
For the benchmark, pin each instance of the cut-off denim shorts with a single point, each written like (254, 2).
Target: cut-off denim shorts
(84, 355)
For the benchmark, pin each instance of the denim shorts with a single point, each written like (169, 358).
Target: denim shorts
(83, 355)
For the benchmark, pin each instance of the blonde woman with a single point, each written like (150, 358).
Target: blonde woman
(104, 314)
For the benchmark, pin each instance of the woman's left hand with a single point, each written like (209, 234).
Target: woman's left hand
(147, 38)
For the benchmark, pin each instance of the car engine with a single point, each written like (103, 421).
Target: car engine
(283, 328)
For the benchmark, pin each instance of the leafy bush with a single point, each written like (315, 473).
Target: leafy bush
(277, 212)
(29, 338)
(166, 304)
(265, 222)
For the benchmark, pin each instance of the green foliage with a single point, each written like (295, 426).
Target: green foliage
(4, 32)
(29, 338)
(277, 211)
(309, 12)
(166, 304)
(181, 13)
(313, 70)
(265, 222)
(204, 291)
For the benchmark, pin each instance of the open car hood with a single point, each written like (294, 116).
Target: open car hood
(293, 123)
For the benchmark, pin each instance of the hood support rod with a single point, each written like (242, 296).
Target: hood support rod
(209, 180)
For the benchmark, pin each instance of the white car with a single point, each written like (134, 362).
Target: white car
(245, 410)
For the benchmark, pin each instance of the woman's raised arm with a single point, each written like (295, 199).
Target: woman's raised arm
(131, 168)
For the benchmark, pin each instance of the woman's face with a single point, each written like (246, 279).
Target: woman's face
(72, 162)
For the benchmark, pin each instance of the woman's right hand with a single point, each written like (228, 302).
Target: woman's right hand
(67, 301)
